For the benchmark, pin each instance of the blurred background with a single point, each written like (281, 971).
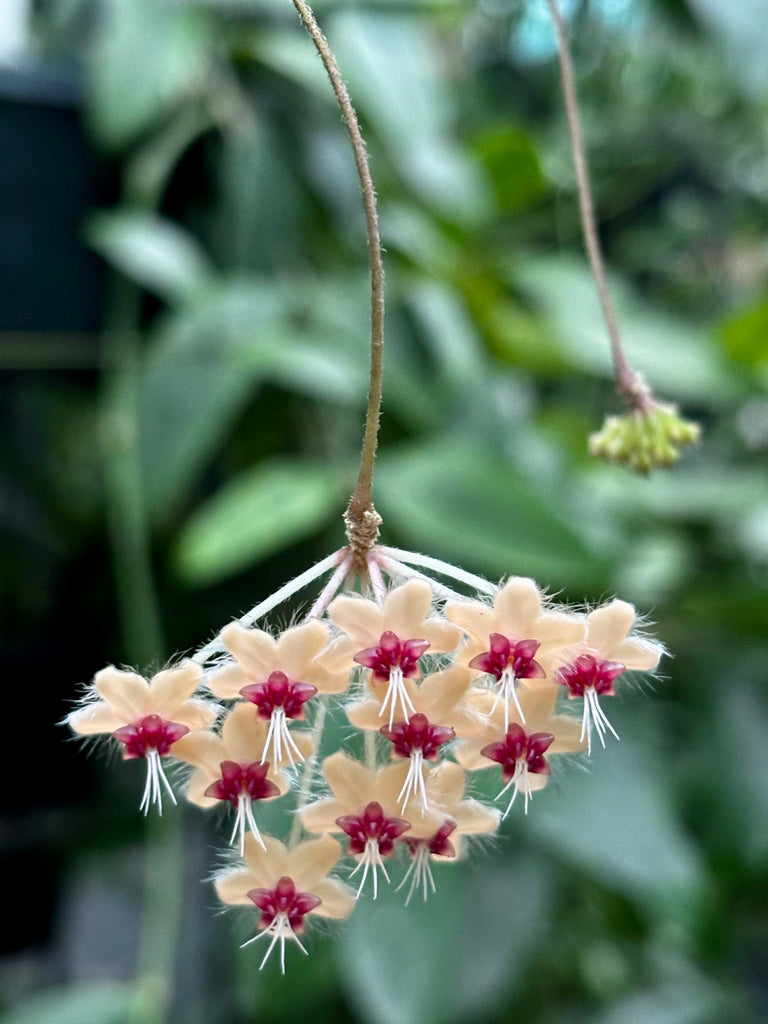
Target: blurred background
(183, 369)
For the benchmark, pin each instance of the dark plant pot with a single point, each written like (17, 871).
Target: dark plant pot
(49, 179)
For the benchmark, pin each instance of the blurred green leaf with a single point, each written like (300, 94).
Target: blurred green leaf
(257, 222)
(479, 511)
(395, 72)
(739, 797)
(728, 497)
(207, 360)
(149, 58)
(448, 332)
(681, 361)
(255, 515)
(77, 1003)
(693, 999)
(735, 27)
(618, 824)
(745, 335)
(511, 160)
(288, 54)
(452, 958)
(192, 385)
(154, 252)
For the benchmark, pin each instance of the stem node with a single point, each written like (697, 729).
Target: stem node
(362, 523)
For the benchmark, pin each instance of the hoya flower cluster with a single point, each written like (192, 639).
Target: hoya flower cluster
(435, 688)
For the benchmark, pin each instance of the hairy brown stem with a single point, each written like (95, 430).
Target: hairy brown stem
(630, 383)
(361, 518)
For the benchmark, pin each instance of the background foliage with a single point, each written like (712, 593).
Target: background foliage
(166, 473)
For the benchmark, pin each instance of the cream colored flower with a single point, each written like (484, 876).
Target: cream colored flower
(520, 743)
(279, 676)
(608, 629)
(605, 654)
(460, 817)
(516, 640)
(286, 885)
(439, 714)
(365, 806)
(390, 638)
(147, 717)
(231, 768)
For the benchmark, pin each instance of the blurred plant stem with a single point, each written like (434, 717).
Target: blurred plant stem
(142, 635)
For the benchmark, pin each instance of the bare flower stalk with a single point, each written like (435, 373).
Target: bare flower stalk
(361, 518)
(630, 384)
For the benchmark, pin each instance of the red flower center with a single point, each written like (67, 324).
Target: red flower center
(150, 733)
(392, 653)
(514, 656)
(372, 824)
(285, 900)
(517, 746)
(279, 692)
(439, 844)
(417, 734)
(237, 779)
(589, 673)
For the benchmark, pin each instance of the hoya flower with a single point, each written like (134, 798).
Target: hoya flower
(607, 651)
(516, 640)
(390, 639)
(445, 789)
(519, 745)
(230, 768)
(365, 806)
(279, 676)
(439, 714)
(147, 717)
(286, 885)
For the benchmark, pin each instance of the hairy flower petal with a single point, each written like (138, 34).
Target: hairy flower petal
(125, 692)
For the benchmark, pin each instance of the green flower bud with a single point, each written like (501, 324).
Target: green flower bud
(644, 439)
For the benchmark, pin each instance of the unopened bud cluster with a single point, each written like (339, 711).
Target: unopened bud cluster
(645, 438)
(441, 687)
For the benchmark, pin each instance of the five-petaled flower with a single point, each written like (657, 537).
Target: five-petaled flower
(440, 712)
(519, 745)
(230, 768)
(390, 639)
(518, 640)
(286, 885)
(278, 676)
(147, 717)
(366, 806)
(606, 652)
(458, 817)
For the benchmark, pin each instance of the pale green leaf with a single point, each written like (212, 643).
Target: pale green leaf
(149, 57)
(255, 515)
(152, 251)
(395, 71)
